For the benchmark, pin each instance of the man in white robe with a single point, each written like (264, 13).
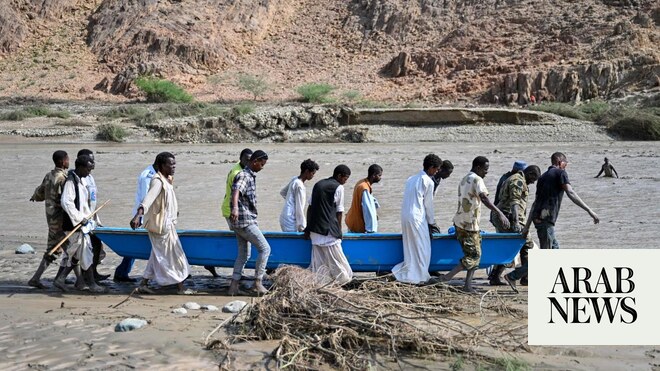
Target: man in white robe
(75, 201)
(167, 263)
(417, 218)
(292, 218)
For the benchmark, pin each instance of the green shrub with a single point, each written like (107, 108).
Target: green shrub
(352, 95)
(59, 114)
(189, 110)
(37, 110)
(17, 115)
(242, 109)
(561, 109)
(162, 91)
(512, 364)
(255, 85)
(111, 132)
(634, 124)
(125, 112)
(594, 109)
(315, 93)
(365, 103)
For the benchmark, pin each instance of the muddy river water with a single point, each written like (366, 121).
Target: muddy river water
(628, 207)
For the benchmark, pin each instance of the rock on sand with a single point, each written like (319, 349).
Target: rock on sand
(130, 324)
(24, 249)
(234, 306)
(179, 311)
(191, 305)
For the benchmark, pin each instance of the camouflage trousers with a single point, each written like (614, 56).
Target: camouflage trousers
(471, 245)
(55, 235)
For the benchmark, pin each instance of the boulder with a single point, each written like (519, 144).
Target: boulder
(191, 305)
(179, 311)
(130, 324)
(24, 249)
(234, 306)
(210, 308)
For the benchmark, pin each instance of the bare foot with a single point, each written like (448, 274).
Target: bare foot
(259, 288)
(37, 284)
(233, 288)
(60, 285)
(145, 290)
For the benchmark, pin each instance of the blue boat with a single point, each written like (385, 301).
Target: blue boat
(365, 252)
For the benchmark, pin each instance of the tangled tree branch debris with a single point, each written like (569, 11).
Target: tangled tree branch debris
(316, 323)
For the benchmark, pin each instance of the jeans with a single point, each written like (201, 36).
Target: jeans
(123, 269)
(251, 234)
(546, 233)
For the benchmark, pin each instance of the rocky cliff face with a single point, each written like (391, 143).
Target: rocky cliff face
(183, 35)
(389, 50)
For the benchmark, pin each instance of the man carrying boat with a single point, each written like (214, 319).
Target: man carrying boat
(97, 245)
(324, 228)
(472, 193)
(78, 255)
(445, 171)
(243, 219)
(513, 203)
(292, 218)
(50, 191)
(167, 264)
(144, 179)
(545, 210)
(362, 217)
(243, 160)
(417, 224)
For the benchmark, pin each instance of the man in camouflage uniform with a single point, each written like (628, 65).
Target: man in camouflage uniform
(50, 191)
(472, 193)
(513, 203)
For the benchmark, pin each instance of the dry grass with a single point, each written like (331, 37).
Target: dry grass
(320, 324)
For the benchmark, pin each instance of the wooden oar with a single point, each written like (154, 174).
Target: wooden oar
(57, 247)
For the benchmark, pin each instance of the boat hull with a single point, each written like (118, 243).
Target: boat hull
(365, 252)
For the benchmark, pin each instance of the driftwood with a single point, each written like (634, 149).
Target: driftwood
(318, 324)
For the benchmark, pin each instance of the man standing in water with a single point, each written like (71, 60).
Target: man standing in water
(545, 210)
(472, 193)
(243, 219)
(50, 191)
(607, 168)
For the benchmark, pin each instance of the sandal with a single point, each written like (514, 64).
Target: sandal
(146, 290)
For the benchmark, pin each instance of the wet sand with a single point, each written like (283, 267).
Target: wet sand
(38, 331)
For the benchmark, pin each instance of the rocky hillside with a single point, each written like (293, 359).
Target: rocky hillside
(434, 51)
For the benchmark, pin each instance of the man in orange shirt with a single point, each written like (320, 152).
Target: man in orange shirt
(361, 217)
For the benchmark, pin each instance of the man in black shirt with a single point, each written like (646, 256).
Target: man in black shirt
(549, 192)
